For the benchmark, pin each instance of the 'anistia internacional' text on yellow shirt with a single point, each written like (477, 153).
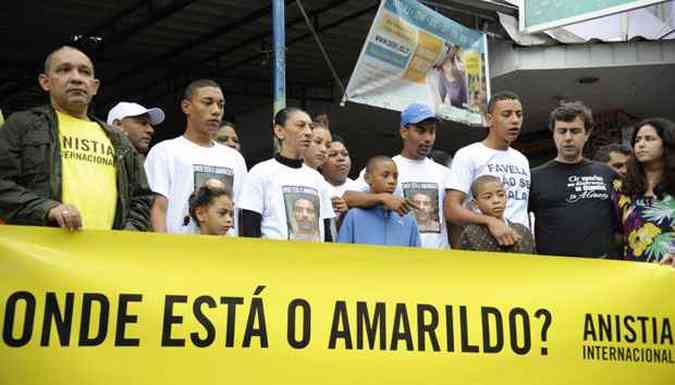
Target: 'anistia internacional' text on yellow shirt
(89, 177)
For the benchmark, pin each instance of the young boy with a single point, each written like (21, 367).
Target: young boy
(378, 225)
(490, 198)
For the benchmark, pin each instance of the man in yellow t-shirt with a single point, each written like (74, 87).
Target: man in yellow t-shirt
(60, 166)
(88, 159)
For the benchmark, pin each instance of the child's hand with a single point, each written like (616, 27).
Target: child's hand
(339, 205)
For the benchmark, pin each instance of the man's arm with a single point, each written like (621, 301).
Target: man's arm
(158, 214)
(141, 198)
(457, 213)
(365, 200)
(458, 183)
(250, 224)
(19, 204)
(328, 229)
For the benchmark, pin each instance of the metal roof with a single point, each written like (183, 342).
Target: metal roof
(148, 50)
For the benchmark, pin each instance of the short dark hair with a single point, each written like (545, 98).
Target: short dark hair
(48, 59)
(568, 111)
(499, 96)
(322, 120)
(481, 181)
(372, 162)
(602, 153)
(339, 139)
(197, 84)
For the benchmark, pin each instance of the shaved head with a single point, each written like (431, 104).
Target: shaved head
(375, 161)
(48, 60)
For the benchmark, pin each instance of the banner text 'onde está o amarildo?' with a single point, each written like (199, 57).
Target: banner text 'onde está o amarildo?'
(107, 307)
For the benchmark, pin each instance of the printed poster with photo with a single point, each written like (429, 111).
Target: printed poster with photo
(415, 54)
(203, 173)
(425, 197)
(302, 212)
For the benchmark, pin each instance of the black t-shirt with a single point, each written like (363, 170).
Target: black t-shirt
(572, 204)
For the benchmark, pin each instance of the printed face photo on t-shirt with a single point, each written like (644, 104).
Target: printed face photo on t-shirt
(203, 173)
(425, 197)
(302, 213)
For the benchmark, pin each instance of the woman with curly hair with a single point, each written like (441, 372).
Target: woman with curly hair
(646, 197)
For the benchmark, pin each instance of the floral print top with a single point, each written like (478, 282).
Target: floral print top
(648, 225)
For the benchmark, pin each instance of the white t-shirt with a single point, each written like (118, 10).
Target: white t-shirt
(510, 165)
(339, 191)
(293, 202)
(177, 167)
(424, 182)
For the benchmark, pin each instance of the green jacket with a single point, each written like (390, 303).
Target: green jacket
(30, 172)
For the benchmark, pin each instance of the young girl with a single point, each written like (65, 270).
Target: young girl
(316, 156)
(211, 209)
(317, 151)
(646, 197)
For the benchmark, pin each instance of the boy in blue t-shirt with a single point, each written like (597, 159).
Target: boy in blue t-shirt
(378, 225)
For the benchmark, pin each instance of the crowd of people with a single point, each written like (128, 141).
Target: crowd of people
(61, 166)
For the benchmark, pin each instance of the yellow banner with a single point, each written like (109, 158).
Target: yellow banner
(130, 308)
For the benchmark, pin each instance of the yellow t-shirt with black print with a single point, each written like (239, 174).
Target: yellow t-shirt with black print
(89, 179)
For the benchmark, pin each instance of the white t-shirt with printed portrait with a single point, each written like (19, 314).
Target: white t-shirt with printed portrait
(339, 191)
(293, 202)
(511, 166)
(424, 182)
(177, 167)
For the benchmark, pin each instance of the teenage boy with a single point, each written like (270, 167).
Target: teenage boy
(179, 166)
(493, 156)
(490, 197)
(379, 225)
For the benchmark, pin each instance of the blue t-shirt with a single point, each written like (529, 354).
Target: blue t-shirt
(377, 226)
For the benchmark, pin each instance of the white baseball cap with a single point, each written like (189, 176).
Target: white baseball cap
(125, 110)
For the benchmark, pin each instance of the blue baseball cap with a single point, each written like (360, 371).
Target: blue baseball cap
(416, 113)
